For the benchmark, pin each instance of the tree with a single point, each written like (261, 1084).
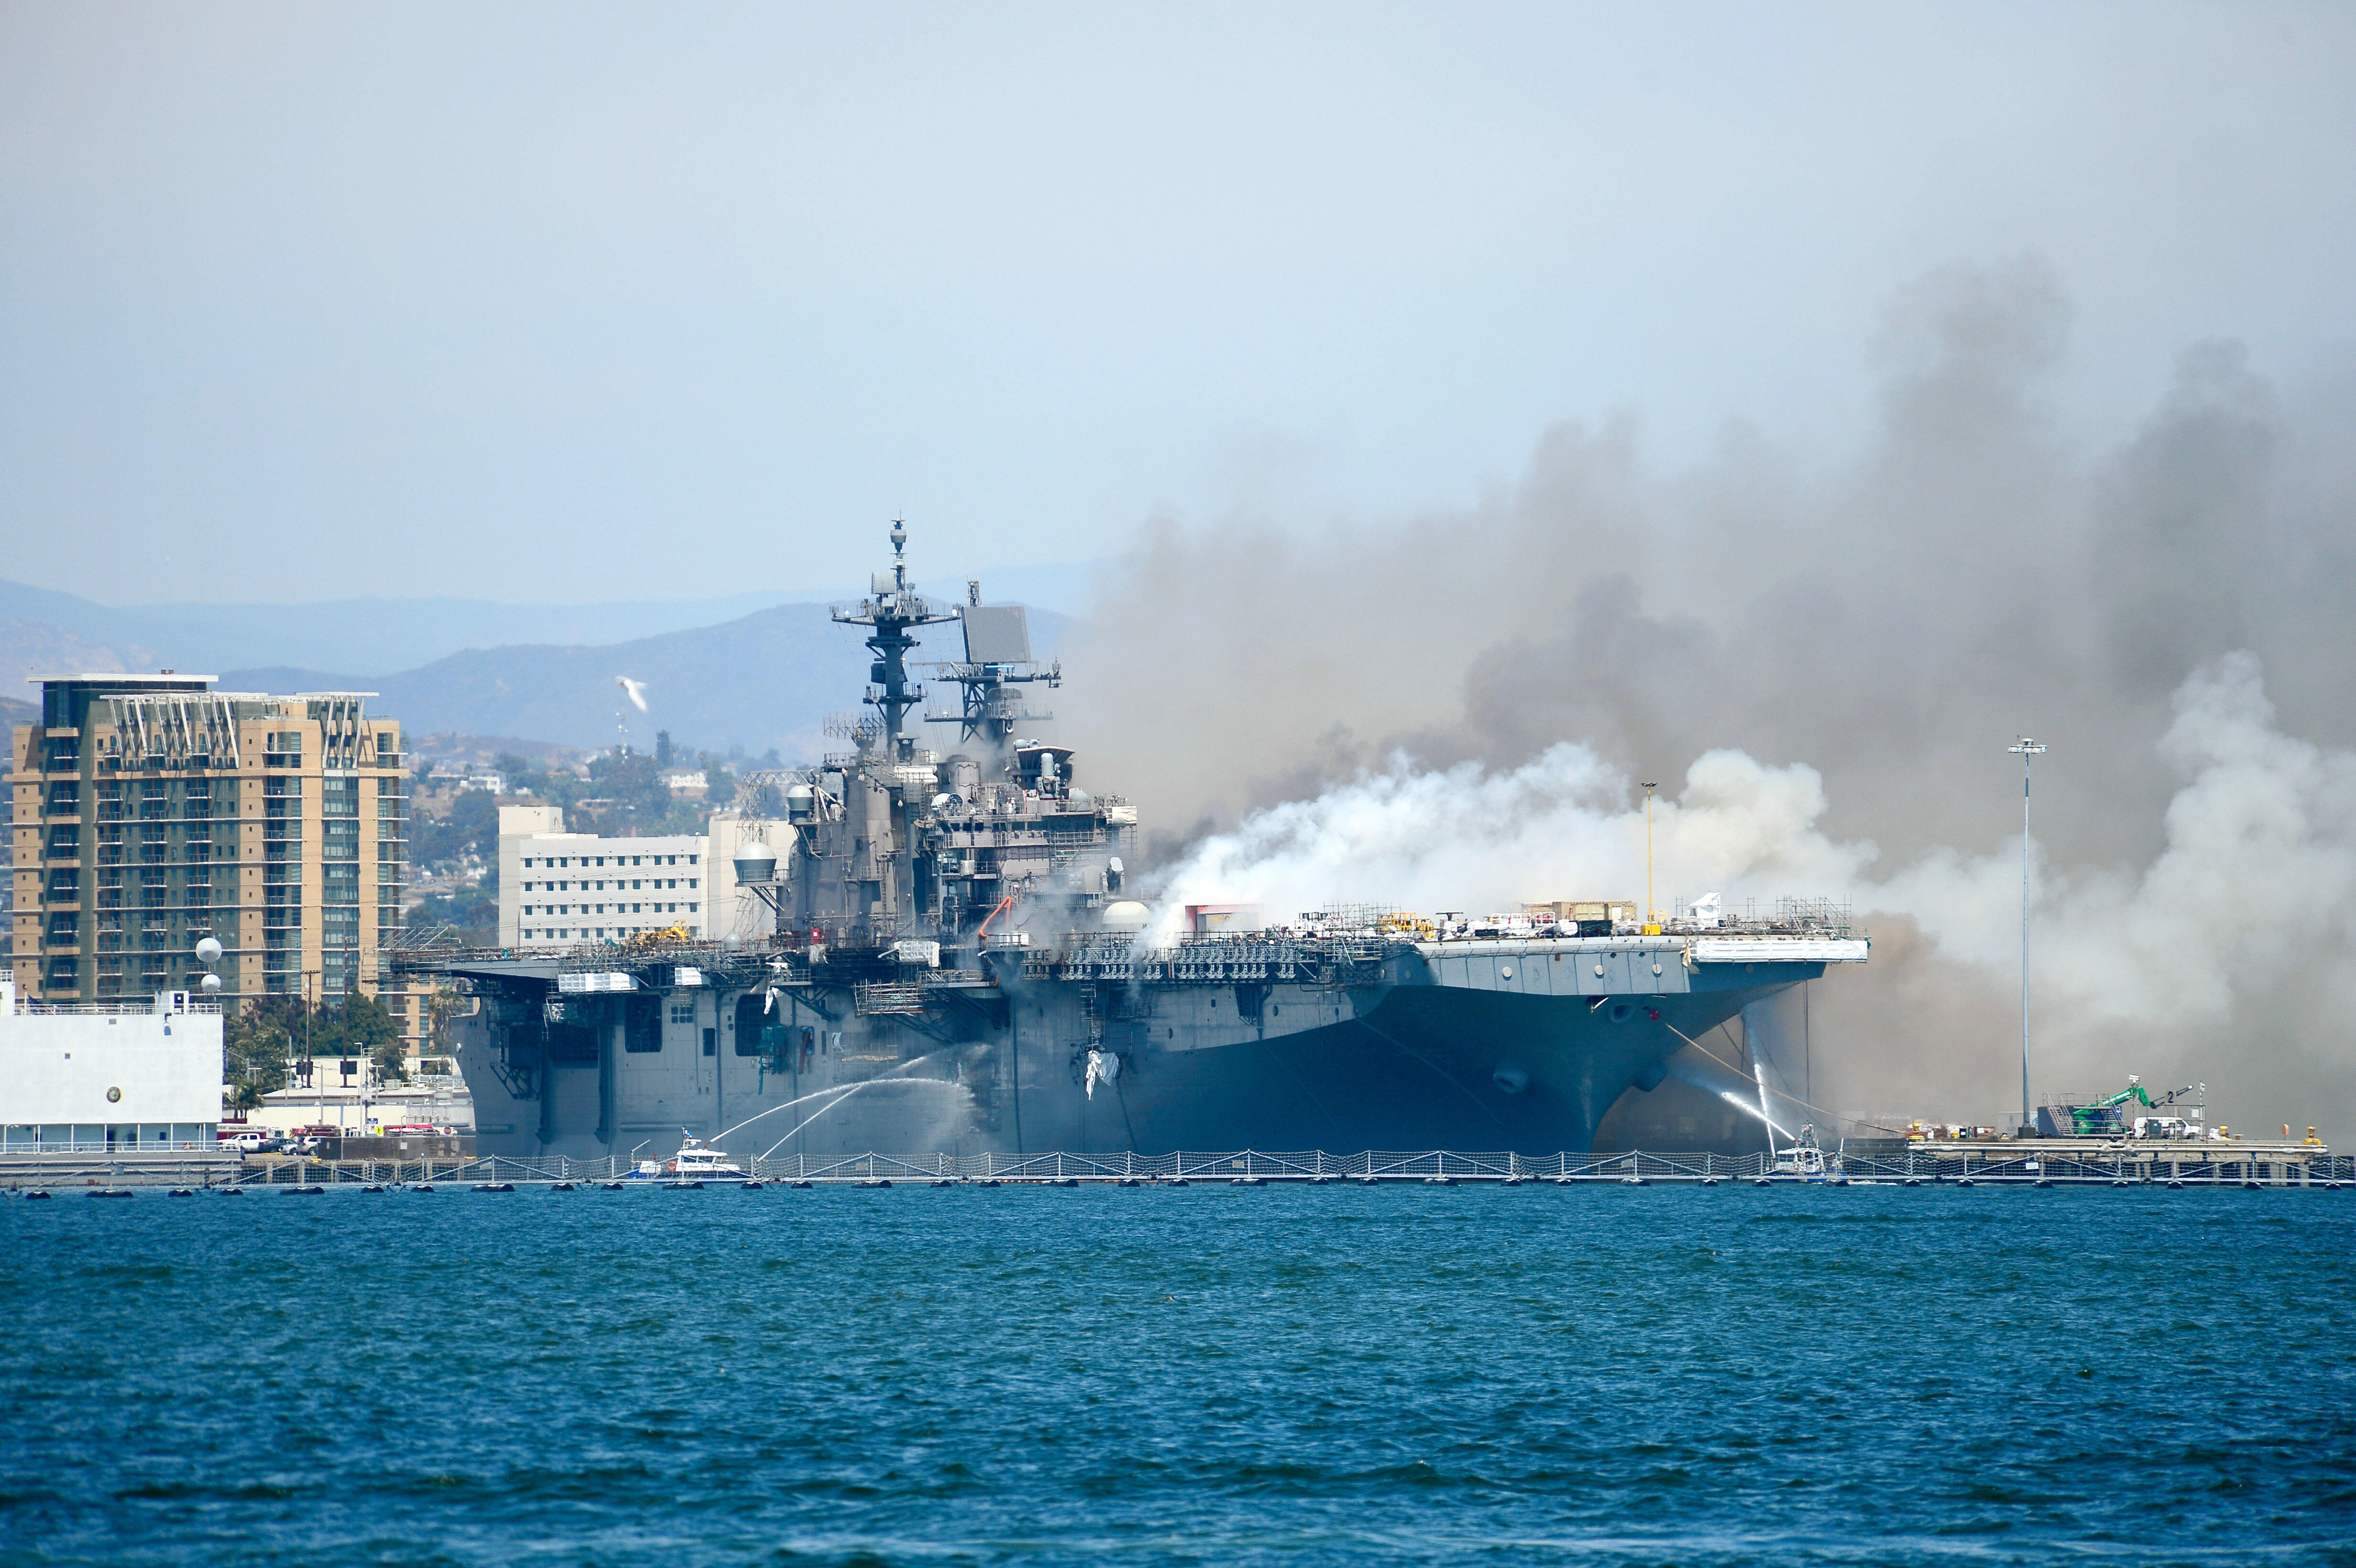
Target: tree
(443, 1009)
(471, 830)
(269, 1032)
(641, 800)
(474, 909)
(257, 1045)
(360, 1026)
(518, 772)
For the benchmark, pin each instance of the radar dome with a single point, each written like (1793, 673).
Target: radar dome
(208, 951)
(1126, 915)
(210, 984)
(755, 861)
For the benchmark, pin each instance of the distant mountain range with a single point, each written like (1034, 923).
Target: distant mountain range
(377, 636)
(764, 679)
(717, 675)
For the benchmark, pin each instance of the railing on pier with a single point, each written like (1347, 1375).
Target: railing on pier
(1924, 1165)
(1622, 1166)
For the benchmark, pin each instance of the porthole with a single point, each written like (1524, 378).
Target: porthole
(114, 1096)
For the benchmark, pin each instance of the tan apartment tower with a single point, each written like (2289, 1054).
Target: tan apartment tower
(151, 811)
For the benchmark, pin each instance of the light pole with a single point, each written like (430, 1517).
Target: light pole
(1652, 917)
(2028, 748)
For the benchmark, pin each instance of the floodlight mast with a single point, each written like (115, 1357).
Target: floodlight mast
(1652, 915)
(2028, 748)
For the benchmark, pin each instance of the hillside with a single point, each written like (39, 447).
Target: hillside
(43, 630)
(368, 634)
(764, 679)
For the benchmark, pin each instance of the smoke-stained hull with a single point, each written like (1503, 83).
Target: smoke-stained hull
(1423, 1069)
(1502, 1046)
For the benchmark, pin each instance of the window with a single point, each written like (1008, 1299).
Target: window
(682, 1012)
(691, 860)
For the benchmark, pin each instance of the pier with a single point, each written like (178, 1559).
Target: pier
(2028, 1163)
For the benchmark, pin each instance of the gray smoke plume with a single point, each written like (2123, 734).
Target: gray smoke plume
(1823, 671)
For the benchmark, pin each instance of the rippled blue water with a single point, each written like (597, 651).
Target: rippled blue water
(1198, 1375)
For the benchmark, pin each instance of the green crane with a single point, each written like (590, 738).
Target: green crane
(2095, 1120)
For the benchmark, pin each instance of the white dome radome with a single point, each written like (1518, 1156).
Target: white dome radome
(1126, 915)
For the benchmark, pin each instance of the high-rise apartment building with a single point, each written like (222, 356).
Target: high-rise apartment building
(151, 812)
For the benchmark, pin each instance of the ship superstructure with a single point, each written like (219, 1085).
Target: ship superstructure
(954, 968)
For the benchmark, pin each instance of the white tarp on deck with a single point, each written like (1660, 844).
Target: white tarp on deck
(1777, 950)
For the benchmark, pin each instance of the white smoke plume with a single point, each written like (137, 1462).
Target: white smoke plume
(2181, 968)
(1560, 826)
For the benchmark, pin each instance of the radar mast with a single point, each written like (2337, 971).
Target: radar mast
(997, 656)
(892, 607)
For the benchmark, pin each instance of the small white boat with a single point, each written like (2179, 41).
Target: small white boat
(1804, 1159)
(694, 1162)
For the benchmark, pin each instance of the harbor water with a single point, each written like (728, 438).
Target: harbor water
(1210, 1374)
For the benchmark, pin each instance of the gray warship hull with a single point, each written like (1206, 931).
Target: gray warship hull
(1521, 1046)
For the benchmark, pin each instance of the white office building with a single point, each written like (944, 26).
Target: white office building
(560, 889)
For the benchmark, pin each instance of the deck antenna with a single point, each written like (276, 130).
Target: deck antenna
(2028, 748)
(1652, 915)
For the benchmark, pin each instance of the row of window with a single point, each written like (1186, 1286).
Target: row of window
(600, 909)
(620, 884)
(546, 860)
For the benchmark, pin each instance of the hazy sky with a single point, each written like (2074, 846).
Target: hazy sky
(579, 302)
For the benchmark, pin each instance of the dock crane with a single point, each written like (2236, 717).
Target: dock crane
(2103, 1118)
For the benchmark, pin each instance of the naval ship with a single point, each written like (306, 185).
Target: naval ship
(954, 962)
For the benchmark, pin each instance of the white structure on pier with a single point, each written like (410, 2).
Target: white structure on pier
(109, 1076)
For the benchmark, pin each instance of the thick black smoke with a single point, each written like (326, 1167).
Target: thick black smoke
(1970, 577)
